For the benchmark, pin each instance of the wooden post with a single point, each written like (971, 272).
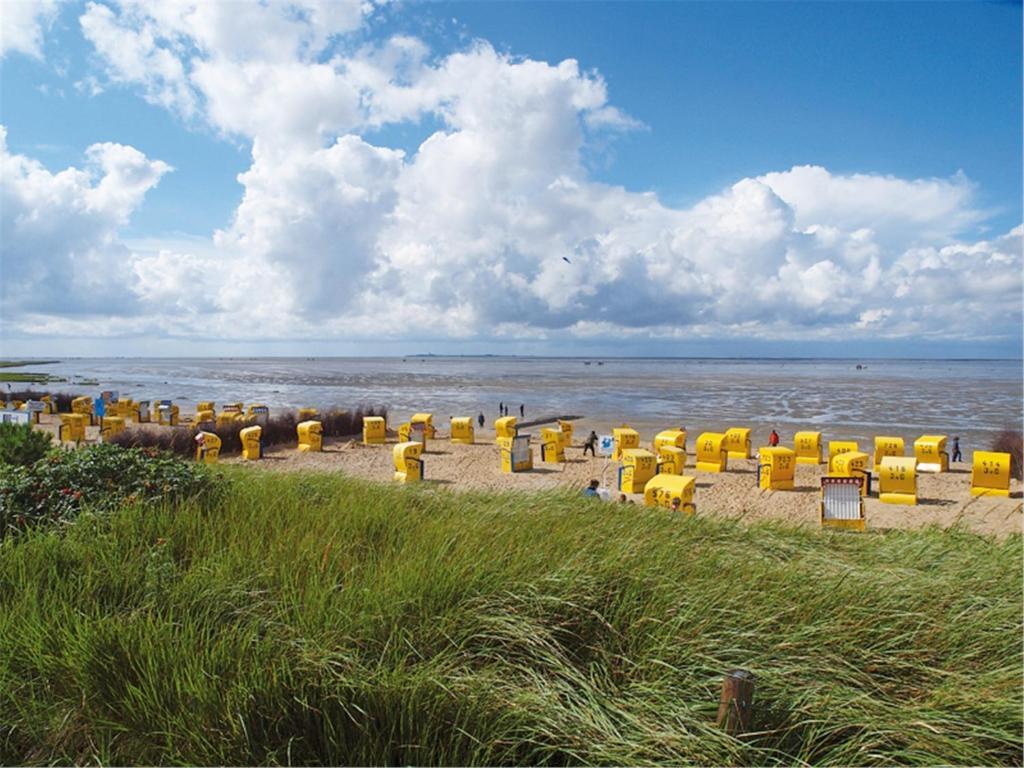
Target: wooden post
(736, 705)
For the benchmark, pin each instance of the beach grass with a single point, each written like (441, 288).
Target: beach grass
(312, 618)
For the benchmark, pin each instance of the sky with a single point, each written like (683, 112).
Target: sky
(317, 177)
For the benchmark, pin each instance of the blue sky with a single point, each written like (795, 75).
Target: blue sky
(731, 177)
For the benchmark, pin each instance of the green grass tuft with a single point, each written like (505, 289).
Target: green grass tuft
(318, 619)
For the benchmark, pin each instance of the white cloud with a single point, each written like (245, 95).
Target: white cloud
(493, 226)
(22, 23)
(59, 230)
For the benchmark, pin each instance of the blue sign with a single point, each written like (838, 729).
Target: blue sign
(99, 407)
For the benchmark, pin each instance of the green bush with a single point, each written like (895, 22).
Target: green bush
(53, 491)
(22, 445)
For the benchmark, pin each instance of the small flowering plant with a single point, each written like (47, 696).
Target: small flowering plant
(54, 489)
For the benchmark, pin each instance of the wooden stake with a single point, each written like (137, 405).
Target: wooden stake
(736, 705)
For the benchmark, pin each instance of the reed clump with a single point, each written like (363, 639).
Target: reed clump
(279, 430)
(1011, 441)
(317, 619)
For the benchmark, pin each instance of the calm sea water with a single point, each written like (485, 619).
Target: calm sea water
(973, 398)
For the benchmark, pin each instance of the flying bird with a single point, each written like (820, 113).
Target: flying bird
(566, 260)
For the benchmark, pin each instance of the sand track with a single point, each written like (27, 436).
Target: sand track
(943, 500)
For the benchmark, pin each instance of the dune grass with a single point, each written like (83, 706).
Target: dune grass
(318, 619)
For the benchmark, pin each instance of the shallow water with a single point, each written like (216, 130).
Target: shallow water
(972, 398)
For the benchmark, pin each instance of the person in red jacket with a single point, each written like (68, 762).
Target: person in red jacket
(773, 438)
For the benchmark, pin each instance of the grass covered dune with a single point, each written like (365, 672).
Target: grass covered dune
(316, 619)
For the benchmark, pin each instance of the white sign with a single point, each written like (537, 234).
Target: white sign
(14, 417)
(36, 406)
(605, 445)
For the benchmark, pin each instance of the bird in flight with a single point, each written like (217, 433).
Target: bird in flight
(566, 260)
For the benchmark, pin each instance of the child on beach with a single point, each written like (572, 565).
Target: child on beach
(773, 438)
(957, 456)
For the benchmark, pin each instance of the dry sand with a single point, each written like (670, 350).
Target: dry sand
(943, 499)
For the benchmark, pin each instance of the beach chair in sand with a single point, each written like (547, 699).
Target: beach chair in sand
(808, 447)
(776, 468)
(638, 466)
(84, 406)
(842, 505)
(662, 489)
(204, 418)
(310, 435)
(516, 453)
(886, 446)
(427, 422)
(252, 443)
(737, 442)
(72, 427)
(505, 428)
(671, 460)
(625, 437)
(462, 430)
(990, 475)
(711, 453)
(676, 437)
(207, 447)
(930, 452)
(167, 413)
(566, 427)
(836, 447)
(853, 464)
(374, 430)
(897, 482)
(552, 446)
(110, 426)
(408, 464)
(140, 412)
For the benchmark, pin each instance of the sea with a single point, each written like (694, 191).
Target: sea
(844, 398)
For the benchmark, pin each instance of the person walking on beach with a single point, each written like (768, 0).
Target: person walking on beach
(773, 438)
(590, 444)
(957, 456)
(522, 411)
(480, 420)
(501, 409)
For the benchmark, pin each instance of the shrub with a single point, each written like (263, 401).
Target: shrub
(21, 445)
(1011, 441)
(345, 423)
(55, 489)
(279, 430)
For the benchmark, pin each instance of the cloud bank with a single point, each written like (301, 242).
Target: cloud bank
(492, 228)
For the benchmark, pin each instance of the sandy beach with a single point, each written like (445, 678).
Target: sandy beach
(944, 500)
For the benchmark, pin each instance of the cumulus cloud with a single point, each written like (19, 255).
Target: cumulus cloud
(492, 227)
(59, 231)
(22, 26)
